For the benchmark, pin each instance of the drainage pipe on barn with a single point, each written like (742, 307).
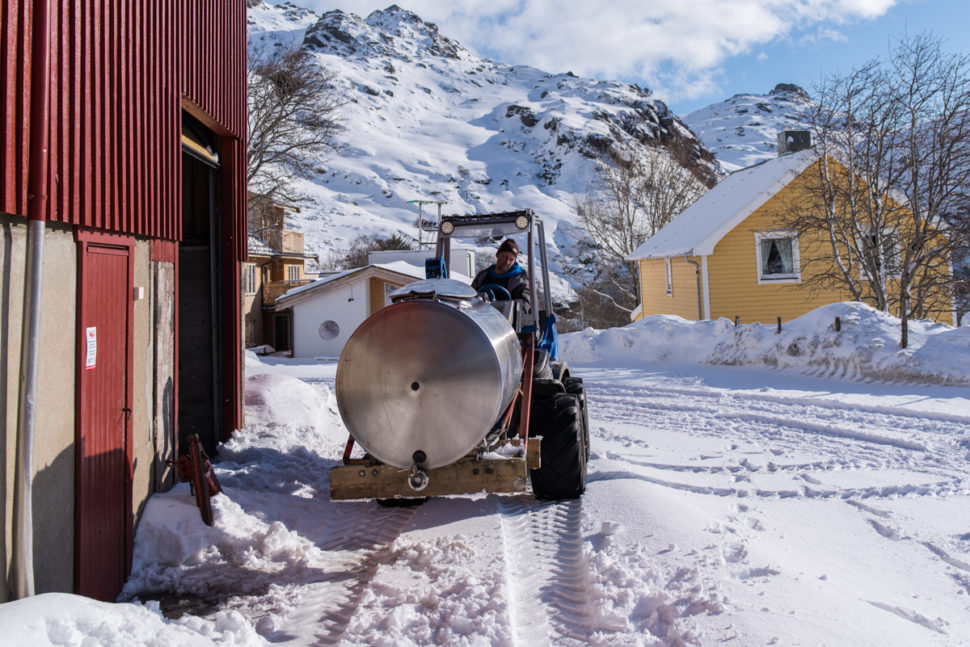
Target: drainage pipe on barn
(37, 195)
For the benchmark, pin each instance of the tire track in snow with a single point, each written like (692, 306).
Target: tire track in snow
(546, 564)
(961, 576)
(529, 621)
(763, 399)
(838, 419)
(697, 412)
(935, 489)
(359, 539)
(647, 404)
(914, 617)
(860, 438)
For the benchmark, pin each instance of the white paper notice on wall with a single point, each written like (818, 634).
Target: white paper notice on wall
(91, 357)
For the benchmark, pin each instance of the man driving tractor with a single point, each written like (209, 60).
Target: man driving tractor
(458, 378)
(505, 273)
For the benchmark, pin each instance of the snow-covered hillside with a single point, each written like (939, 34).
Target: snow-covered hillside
(426, 119)
(743, 130)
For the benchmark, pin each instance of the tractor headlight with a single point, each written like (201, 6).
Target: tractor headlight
(447, 227)
(522, 222)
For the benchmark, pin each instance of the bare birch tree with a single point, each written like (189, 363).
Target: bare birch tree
(934, 173)
(293, 121)
(893, 138)
(632, 200)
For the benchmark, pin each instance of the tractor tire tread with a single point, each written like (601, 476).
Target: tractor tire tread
(562, 472)
(575, 386)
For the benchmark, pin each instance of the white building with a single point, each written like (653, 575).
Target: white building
(326, 312)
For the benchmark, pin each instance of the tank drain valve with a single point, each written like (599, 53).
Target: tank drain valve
(418, 478)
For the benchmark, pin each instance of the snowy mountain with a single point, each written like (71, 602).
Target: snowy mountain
(742, 130)
(426, 119)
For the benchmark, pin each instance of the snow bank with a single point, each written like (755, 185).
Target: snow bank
(292, 438)
(866, 348)
(64, 619)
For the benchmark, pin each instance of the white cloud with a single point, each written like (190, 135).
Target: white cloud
(675, 47)
(825, 34)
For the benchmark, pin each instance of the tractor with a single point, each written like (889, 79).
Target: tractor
(449, 390)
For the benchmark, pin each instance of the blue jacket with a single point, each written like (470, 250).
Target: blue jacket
(516, 281)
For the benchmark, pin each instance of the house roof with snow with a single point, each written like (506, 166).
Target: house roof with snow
(702, 225)
(257, 246)
(398, 272)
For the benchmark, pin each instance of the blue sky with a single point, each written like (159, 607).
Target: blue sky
(804, 61)
(691, 53)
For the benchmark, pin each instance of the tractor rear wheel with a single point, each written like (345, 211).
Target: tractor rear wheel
(562, 471)
(574, 386)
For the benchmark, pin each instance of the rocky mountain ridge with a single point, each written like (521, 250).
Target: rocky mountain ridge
(425, 119)
(742, 130)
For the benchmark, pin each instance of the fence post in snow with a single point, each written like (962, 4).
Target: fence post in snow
(737, 319)
(778, 332)
(838, 324)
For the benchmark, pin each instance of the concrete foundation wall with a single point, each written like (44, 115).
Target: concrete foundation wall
(154, 364)
(54, 455)
(162, 382)
(53, 486)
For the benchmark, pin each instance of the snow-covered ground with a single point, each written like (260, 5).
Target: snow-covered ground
(745, 488)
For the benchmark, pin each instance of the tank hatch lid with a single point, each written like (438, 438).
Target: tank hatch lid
(434, 289)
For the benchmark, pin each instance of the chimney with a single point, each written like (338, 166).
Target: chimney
(792, 141)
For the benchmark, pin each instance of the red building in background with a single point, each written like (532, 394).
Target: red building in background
(122, 227)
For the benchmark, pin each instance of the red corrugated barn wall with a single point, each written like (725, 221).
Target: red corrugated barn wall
(121, 74)
(14, 75)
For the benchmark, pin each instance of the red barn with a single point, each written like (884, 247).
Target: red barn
(122, 227)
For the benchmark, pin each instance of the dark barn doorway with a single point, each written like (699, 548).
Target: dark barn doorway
(200, 315)
(282, 325)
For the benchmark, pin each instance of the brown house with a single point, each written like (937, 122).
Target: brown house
(276, 264)
(122, 227)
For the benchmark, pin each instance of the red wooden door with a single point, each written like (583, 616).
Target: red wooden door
(103, 516)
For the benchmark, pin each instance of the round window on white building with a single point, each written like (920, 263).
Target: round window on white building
(329, 329)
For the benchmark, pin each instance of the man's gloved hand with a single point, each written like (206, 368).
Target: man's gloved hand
(484, 296)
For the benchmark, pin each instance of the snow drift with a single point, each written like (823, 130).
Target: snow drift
(866, 348)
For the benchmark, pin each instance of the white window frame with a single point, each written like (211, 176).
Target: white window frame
(249, 279)
(669, 277)
(293, 272)
(898, 273)
(776, 234)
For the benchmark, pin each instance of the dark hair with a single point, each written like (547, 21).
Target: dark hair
(508, 245)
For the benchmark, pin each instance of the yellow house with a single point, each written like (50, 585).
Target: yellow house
(731, 255)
